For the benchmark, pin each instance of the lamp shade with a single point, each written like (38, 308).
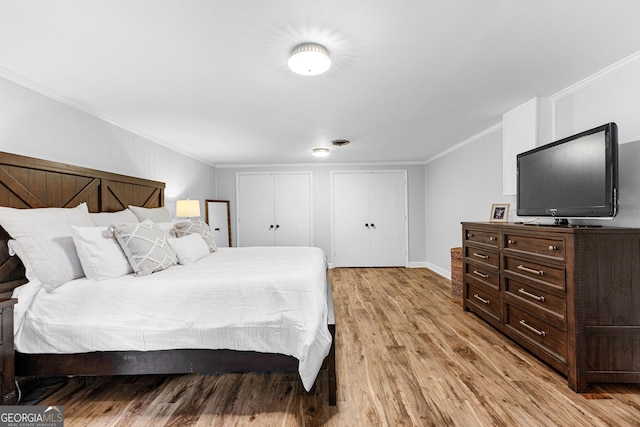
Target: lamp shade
(187, 208)
(309, 59)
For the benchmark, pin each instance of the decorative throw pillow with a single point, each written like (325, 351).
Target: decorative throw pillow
(100, 255)
(154, 214)
(145, 246)
(198, 227)
(189, 248)
(124, 216)
(44, 235)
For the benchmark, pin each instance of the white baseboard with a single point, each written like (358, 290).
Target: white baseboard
(444, 273)
(422, 264)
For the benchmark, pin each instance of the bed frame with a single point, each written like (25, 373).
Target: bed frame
(26, 182)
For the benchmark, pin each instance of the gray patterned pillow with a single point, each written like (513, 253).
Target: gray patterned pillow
(146, 247)
(199, 227)
(160, 214)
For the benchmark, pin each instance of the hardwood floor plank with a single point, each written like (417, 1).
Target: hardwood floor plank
(407, 354)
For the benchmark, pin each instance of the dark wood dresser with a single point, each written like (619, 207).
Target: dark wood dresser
(569, 295)
(7, 383)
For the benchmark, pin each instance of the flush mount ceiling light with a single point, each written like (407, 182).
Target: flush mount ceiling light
(320, 152)
(309, 59)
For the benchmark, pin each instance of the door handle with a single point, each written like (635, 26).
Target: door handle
(367, 225)
(216, 229)
(277, 226)
(271, 227)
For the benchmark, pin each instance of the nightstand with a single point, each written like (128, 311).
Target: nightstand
(7, 383)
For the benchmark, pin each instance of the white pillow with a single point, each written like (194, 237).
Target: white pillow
(154, 214)
(189, 248)
(16, 250)
(145, 246)
(45, 237)
(100, 254)
(108, 218)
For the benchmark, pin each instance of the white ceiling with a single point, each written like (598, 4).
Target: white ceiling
(409, 79)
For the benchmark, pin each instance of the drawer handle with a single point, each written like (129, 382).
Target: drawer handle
(532, 329)
(483, 256)
(492, 238)
(477, 273)
(484, 301)
(529, 294)
(553, 248)
(469, 235)
(530, 270)
(511, 242)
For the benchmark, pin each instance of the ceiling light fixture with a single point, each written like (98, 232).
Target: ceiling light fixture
(320, 152)
(309, 59)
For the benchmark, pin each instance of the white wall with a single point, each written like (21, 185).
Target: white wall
(35, 125)
(321, 199)
(610, 96)
(463, 184)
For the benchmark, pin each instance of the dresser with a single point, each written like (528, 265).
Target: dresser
(7, 384)
(569, 295)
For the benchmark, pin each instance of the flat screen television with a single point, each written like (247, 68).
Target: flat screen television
(575, 177)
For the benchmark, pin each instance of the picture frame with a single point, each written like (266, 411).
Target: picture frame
(499, 212)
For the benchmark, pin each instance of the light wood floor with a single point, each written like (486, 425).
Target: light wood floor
(406, 355)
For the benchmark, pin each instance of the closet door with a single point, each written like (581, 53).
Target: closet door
(255, 210)
(388, 236)
(369, 219)
(292, 201)
(351, 219)
(274, 209)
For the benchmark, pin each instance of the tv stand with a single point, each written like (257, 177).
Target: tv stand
(569, 295)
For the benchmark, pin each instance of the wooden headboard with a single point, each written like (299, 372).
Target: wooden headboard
(26, 182)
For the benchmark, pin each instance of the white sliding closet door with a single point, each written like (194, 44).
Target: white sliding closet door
(369, 219)
(274, 209)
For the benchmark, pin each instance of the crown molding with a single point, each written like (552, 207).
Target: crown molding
(467, 141)
(596, 77)
(42, 90)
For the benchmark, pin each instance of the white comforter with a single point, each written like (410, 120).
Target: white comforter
(270, 300)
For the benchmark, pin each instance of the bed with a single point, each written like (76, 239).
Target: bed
(33, 183)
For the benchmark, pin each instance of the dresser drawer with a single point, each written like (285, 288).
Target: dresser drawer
(484, 299)
(483, 256)
(547, 305)
(551, 247)
(483, 273)
(482, 236)
(553, 340)
(543, 274)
